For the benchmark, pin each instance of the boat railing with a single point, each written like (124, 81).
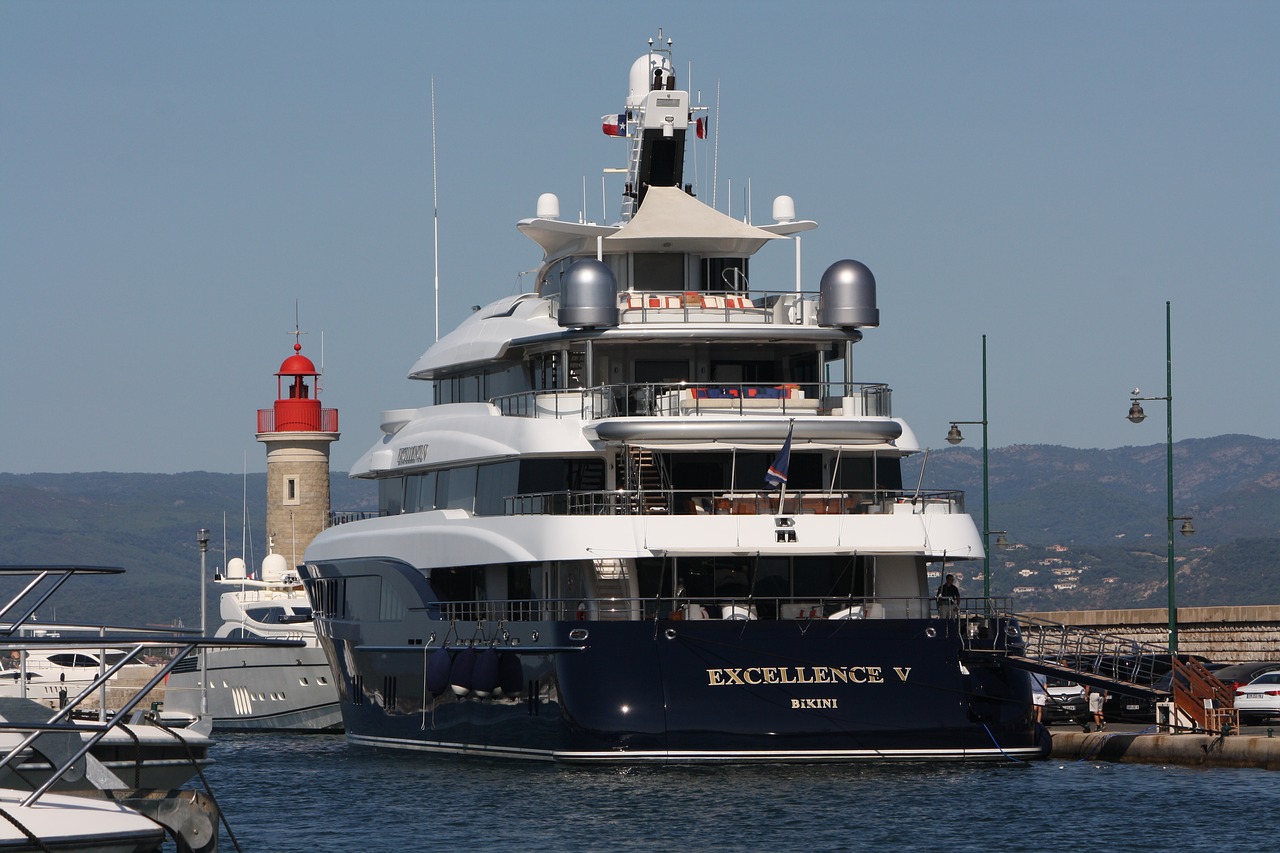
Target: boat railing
(694, 399)
(337, 517)
(699, 607)
(728, 502)
(770, 307)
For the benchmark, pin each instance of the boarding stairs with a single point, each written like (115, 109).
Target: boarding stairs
(613, 594)
(647, 477)
(1197, 701)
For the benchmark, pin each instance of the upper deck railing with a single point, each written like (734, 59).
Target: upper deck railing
(685, 399)
(786, 308)
(735, 502)
(710, 607)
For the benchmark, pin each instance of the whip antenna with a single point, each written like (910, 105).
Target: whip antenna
(435, 209)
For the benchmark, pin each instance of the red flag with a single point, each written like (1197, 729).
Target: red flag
(700, 126)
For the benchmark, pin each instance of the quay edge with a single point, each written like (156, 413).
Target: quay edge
(1138, 747)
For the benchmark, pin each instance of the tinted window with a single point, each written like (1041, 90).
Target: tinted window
(495, 483)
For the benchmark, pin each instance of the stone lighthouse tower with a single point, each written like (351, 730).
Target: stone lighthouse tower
(297, 433)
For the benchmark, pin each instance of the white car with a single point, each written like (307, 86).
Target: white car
(1260, 698)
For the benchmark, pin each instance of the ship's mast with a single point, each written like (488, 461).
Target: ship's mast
(657, 118)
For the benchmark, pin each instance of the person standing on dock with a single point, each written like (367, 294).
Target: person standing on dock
(1097, 697)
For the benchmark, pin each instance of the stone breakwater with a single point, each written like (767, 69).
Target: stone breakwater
(1186, 749)
(1227, 634)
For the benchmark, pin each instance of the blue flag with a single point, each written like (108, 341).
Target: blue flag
(777, 474)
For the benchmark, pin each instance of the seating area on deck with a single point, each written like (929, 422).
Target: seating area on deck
(707, 307)
(780, 399)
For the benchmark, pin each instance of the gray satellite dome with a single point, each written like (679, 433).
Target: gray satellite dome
(588, 295)
(847, 296)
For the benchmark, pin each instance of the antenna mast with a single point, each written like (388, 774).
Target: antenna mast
(435, 208)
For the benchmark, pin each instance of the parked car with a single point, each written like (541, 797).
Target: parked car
(1259, 700)
(1066, 703)
(1238, 674)
(1123, 708)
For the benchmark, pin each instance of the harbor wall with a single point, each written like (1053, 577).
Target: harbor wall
(1227, 634)
(1262, 753)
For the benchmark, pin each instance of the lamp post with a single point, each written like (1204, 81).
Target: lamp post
(202, 537)
(954, 436)
(1137, 416)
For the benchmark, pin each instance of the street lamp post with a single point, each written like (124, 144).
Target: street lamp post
(202, 537)
(954, 437)
(1137, 416)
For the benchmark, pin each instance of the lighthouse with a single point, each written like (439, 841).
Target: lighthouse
(297, 433)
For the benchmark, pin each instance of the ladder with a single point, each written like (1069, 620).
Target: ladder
(646, 476)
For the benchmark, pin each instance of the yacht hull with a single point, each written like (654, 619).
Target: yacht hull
(260, 690)
(703, 691)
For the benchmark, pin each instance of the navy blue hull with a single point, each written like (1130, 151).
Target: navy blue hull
(694, 691)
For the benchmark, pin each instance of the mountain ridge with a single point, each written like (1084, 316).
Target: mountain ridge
(1087, 527)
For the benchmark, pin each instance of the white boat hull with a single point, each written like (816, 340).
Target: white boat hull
(261, 690)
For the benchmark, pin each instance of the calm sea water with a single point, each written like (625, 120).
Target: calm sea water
(315, 793)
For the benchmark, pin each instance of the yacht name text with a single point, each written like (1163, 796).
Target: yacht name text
(752, 676)
(411, 455)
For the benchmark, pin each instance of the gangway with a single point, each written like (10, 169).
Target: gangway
(1197, 701)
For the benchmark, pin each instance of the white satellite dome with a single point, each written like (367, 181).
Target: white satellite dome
(274, 568)
(235, 569)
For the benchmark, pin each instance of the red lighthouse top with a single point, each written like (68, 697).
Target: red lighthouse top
(296, 409)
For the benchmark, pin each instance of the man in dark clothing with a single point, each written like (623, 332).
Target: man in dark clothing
(948, 598)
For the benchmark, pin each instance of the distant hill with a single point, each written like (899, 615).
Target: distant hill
(1091, 524)
(145, 523)
(1087, 527)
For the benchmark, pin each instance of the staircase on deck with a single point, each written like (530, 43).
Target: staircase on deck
(1198, 701)
(646, 476)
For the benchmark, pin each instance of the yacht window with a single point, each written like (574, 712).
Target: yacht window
(72, 659)
(495, 483)
(391, 495)
(420, 492)
(658, 271)
(662, 371)
(557, 475)
(456, 488)
(724, 274)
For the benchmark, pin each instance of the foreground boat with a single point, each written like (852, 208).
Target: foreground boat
(106, 785)
(652, 517)
(260, 689)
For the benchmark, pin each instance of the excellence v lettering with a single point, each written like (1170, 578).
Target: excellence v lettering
(753, 676)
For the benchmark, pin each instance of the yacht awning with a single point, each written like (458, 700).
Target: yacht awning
(671, 220)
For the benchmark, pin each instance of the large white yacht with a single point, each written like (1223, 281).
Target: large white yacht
(652, 516)
(259, 689)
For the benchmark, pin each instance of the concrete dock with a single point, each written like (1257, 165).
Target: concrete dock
(1254, 746)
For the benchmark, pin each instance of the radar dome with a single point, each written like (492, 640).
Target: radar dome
(274, 568)
(235, 569)
(589, 295)
(847, 296)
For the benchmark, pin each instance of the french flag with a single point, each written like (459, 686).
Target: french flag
(615, 125)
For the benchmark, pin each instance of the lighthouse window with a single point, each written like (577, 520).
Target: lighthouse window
(291, 491)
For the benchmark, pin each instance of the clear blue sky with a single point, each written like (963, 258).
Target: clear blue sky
(174, 177)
